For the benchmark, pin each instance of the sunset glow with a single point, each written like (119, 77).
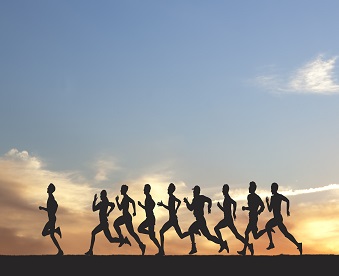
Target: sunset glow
(97, 95)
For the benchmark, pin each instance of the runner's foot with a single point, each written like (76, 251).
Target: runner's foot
(58, 231)
(223, 246)
(242, 252)
(160, 253)
(271, 245)
(250, 247)
(89, 253)
(122, 241)
(300, 248)
(193, 250)
(143, 248)
(126, 241)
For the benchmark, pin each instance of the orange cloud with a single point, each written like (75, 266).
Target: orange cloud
(23, 184)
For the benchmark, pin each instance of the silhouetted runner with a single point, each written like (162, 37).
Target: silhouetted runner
(126, 217)
(104, 212)
(51, 209)
(255, 206)
(147, 226)
(197, 206)
(277, 220)
(172, 207)
(228, 220)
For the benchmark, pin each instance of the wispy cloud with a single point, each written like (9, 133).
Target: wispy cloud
(104, 167)
(24, 180)
(312, 190)
(23, 187)
(241, 194)
(315, 77)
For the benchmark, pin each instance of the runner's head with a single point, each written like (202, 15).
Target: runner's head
(274, 187)
(252, 187)
(196, 190)
(51, 188)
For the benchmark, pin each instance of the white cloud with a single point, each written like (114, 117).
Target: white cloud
(313, 190)
(23, 184)
(104, 168)
(29, 179)
(24, 157)
(241, 194)
(315, 77)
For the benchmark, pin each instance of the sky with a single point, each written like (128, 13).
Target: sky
(97, 94)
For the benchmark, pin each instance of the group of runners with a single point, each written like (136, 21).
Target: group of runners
(255, 206)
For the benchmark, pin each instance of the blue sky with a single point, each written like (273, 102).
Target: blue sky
(193, 92)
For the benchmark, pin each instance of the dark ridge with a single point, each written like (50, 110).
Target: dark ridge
(169, 264)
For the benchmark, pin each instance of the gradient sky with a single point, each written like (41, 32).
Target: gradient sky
(96, 94)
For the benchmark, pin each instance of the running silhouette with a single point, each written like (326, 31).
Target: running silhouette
(126, 218)
(104, 212)
(255, 206)
(147, 226)
(51, 209)
(228, 220)
(275, 205)
(172, 207)
(197, 206)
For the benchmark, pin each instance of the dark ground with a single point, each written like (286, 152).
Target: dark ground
(169, 265)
